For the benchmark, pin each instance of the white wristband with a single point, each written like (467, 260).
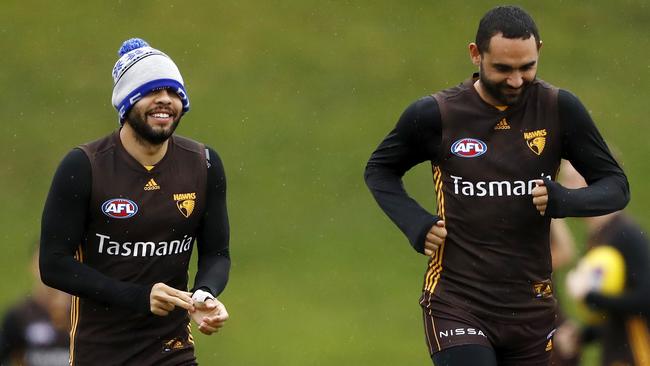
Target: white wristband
(201, 296)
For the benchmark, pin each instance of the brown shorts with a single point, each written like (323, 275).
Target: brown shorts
(447, 326)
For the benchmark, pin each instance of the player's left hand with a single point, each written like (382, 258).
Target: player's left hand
(540, 196)
(209, 315)
(566, 340)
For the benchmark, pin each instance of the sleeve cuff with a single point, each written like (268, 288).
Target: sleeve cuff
(555, 193)
(418, 243)
(202, 296)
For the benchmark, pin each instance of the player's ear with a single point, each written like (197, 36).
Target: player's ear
(474, 54)
(539, 46)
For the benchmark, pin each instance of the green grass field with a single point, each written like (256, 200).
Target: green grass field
(295, 95)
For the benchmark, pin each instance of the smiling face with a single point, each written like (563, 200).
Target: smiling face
(506, 69)
(156, 116)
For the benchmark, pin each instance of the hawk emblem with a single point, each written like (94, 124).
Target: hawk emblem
(536, 140)
(185, 207)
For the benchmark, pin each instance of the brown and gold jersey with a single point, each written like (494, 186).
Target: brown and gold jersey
(497, 244)
(141, 226)
(496, 259)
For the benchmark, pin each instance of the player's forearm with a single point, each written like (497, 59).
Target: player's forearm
(636, 302)
(411, 218)
(67, 274)
(605, 196)
(213, 272)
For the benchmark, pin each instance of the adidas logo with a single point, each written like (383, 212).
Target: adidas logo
(502, 125)
(151, 185)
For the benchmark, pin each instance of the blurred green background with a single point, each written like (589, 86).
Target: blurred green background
(295, 95)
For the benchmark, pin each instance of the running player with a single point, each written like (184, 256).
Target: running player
(121, 219)
(624, 334)
(495, 143)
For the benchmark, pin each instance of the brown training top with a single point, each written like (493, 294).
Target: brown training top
(497, 248)
(141, 228)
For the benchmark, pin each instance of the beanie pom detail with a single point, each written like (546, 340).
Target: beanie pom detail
(131, 44)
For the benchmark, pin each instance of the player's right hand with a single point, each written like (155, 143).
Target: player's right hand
(540, 196)
(163, 299)
(435, 237)
(578, 283)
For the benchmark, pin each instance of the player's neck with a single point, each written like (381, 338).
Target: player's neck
(144, 152)
(487, 98)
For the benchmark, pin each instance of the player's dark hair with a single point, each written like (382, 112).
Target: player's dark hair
(511, 21)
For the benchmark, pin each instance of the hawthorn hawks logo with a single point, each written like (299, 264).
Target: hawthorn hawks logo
(119, 208)
(536, 140)
(185, 202)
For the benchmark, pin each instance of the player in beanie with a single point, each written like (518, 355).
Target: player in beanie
(120, 223)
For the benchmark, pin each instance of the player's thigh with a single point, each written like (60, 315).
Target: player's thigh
(447, 326)
(467, 355)
(528, 343)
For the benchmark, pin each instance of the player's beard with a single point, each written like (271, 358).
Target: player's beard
(145, 132)
(497, 89)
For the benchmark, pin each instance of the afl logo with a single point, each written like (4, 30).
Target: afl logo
(468, 148)
(119, 208)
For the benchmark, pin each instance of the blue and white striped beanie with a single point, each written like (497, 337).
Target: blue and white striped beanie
(140, 70)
